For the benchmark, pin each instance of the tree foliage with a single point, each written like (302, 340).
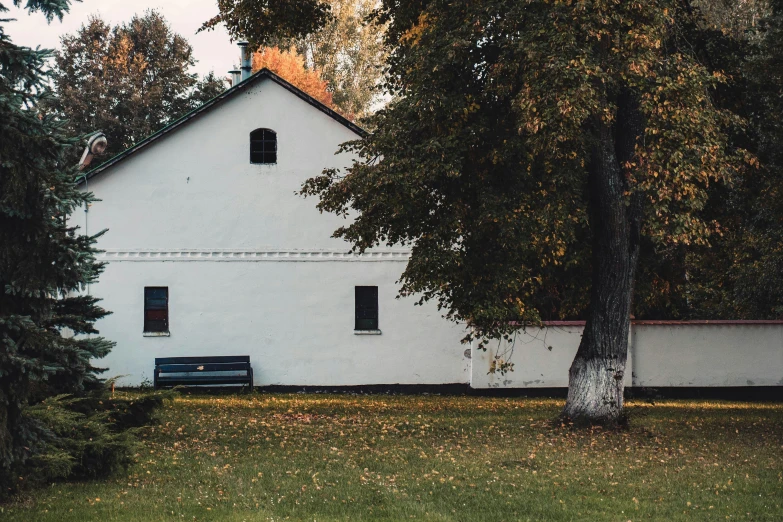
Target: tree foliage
(499, 124)
(752, 284)
(535, 151)
(263, 21)
(736, 276)
(291, 67)
(733, 18)
(48, 341)
(349, 52)
(129, 80)
(543, 140)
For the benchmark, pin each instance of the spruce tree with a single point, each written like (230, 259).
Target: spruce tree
(47, 333)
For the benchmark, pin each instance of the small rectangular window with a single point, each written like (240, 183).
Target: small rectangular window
(366, 308)
(156, 309)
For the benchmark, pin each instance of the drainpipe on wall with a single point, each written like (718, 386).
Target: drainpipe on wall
(86, 215)
(96, 145)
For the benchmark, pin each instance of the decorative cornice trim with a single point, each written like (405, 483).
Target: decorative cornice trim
(222, 255)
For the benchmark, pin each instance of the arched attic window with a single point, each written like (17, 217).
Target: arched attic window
(263, 146)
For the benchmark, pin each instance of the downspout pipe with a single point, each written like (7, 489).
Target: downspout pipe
(86, 214)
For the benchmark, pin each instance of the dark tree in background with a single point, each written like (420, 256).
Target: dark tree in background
(129, 80)
(757, 243)
(48, 341)
(738, 275)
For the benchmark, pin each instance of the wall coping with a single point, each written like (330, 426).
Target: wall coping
(694, 322)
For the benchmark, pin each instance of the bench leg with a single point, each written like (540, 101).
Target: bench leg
(250, 372)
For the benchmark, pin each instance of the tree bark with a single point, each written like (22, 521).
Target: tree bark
(595, 383)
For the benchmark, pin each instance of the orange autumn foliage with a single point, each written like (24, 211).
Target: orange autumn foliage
(290, 66)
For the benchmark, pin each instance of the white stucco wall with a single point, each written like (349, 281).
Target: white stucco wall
(659, 355)
(250, 266)
(708, 355)
(294, 319)
(541, 358)
(195, 187)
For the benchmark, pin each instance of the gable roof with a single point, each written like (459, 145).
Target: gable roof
(262, 74)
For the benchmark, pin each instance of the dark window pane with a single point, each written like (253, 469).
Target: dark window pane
(156, 304)
(262, 134)
(155, 315)
(366, 308)
(155, 326)
(366, 324)
(263, 146)
(156, 292)
(156, 309)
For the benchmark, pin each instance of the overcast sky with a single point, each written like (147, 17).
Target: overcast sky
(213, 50)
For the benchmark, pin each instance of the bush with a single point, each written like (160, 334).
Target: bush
(80, 437)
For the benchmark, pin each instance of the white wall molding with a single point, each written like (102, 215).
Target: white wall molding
(249, 255)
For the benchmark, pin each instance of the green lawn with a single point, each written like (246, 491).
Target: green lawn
(341, 457)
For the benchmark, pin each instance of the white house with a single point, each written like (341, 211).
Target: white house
(211, 252)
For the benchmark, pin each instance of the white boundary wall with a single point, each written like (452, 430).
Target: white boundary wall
(733, 354)
(661, 354)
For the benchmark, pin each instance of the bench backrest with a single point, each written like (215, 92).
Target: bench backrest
(203, 360)
(203, 370)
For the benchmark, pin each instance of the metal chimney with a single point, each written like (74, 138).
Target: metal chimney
(245, 59)
(235, 76)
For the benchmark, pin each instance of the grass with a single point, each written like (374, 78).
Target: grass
(347, 457)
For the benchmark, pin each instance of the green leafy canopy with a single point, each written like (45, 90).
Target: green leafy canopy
(481, 161)
(261, 21)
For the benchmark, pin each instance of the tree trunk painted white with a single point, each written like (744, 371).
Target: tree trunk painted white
(596, 385)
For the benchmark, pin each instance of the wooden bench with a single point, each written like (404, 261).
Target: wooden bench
(199, 371)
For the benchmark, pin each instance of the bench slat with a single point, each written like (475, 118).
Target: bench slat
(208, 367)
(203, 359)
(201, 379)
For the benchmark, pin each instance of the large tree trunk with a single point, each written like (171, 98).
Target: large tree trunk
(595, 381)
